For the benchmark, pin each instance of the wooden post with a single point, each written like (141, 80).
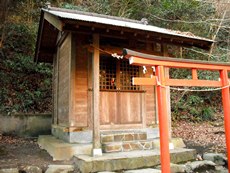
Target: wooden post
(55, 86)
(96, 117)
(226, 106)
(72, 77)
(163, 119)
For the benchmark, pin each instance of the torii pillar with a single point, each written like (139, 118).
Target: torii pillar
(161, 81)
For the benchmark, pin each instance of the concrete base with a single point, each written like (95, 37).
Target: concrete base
(72, 135)
(129, 160)
(61, 150)
(26, 125)
(96, 152)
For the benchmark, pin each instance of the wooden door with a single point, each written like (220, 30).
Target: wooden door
(129, 108)
(121, 103)
(121, 109)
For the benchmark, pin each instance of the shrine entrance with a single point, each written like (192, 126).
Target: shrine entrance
(116, 92)
(162, 81)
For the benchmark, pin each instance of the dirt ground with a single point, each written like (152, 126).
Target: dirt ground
(18, 152)
(204, 137)
(21, 152)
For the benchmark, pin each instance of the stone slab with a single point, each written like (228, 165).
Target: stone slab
(200, 166)
(219, 159)
(130, 160)
(148, 170)
(9, 170)
(61, 150)
(60, 169)
(152, 133)
(177, 143)
(32, 169)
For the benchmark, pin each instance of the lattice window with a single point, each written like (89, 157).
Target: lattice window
(107, 73)
(117, 74)
(127, 72)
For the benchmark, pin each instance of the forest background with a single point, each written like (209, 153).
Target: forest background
(26, 87)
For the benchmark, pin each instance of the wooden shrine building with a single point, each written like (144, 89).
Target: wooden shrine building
(92, 84)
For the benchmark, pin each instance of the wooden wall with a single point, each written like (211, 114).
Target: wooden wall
(81, 84)
(63, 82)
(55, 88)
(70, 83)
(72, 95)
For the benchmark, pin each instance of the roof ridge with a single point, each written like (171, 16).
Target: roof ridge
(74, 11)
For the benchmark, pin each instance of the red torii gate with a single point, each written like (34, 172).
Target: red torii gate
(161, 81)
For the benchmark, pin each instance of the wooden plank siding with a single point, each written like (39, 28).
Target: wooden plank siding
(108, 107)
(130, 111)
(72, 88)
(63, 82)
(73, 93)
(81, 85)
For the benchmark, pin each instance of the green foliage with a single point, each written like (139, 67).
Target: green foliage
(174, 11)
(191, 107)
(207, 114)
(26, 86)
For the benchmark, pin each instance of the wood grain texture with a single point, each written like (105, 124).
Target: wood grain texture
(81, 84)
(108, 107)
(96, 93)
(64, 81)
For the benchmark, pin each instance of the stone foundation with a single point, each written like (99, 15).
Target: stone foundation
(72, 135)
(69, 135)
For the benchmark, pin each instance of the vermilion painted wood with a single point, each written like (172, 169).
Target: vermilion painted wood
(177, 82)
(163, 121)
(194, 73)
(226, 107)
(144, 81)
(161, 93)
(192, 82)
(150, 62)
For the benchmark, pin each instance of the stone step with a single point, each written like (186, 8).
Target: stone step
(61, 150)
(122, 136)
(130, 160)
(127, 146)
(60, 169)
(123, 146)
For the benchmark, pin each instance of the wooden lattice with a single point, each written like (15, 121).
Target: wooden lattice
(107, 73)
(117, 74)
(127, 72)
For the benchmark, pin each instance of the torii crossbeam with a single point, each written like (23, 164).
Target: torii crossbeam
(160, 63)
